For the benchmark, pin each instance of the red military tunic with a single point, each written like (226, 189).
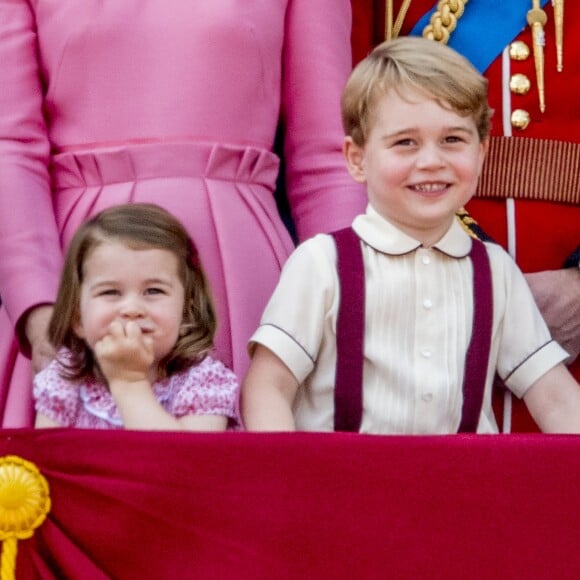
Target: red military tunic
(545, 232)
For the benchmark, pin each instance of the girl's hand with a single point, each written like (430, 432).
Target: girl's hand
(125, 354)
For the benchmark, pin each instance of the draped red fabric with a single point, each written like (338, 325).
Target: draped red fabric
(285, 506)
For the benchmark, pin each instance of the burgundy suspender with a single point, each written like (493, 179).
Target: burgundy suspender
(477, 357)
(350, 335)
(349, 332)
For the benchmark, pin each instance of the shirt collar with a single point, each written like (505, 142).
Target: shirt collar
(383, 236)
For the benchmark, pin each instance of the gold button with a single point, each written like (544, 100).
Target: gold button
(519, 50)
(520, 119)
(520, 84)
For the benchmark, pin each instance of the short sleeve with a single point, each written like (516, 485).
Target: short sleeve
(55, 397)
(303, 308)
(208, 388)
(526, 350)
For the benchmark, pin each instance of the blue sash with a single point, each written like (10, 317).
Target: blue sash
(485, 29)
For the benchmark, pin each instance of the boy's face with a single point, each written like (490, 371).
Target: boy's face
(421, 163)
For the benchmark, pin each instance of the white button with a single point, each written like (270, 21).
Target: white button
(427, 303)
(426, 353)
(427, 397)
(426, 260)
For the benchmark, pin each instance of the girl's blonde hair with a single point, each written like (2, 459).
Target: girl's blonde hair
(140, 226)
(417, 64)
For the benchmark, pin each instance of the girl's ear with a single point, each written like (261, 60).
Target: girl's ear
(354, 155)
(186, 322)
(78, 327)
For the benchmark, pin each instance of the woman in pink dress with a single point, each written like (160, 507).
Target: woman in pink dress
(107, 103)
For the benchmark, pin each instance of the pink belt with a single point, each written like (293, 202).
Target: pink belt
(126, 163)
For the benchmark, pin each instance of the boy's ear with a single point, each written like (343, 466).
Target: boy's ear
(484, 149)
(354, 155)
(485, 144)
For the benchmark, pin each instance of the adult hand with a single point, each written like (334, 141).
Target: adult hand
(125, 354)
(36, 330)
(557, 293)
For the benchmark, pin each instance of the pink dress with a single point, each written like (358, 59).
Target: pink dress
(176, 104)
(208, 388)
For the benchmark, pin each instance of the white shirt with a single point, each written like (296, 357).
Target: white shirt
(419, 310)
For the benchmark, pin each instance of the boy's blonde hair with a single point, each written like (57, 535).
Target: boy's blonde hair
(421, 65)
(139, 226)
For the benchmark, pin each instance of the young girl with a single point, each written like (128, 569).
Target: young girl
(133, 324)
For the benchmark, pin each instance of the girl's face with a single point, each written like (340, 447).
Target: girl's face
(123, 284)
(421, 163)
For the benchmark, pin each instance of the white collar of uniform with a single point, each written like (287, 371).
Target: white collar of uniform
(383, 236)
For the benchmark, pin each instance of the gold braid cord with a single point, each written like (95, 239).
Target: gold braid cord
(468, 223)
(444, 20)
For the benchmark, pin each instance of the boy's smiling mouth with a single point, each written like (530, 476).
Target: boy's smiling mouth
(430, 188)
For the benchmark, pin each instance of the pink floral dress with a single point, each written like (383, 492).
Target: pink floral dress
(208, 388)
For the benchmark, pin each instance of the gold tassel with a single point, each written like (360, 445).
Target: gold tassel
(537, 19)
(393, 30)
(559, 24)
(389, 20)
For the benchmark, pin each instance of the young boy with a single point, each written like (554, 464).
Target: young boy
(417, 124)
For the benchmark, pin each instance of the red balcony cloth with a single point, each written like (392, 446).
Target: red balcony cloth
(295, 506)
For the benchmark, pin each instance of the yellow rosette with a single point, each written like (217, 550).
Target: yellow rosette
(24, 503)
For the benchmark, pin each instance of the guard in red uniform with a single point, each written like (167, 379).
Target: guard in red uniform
(529, 195)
